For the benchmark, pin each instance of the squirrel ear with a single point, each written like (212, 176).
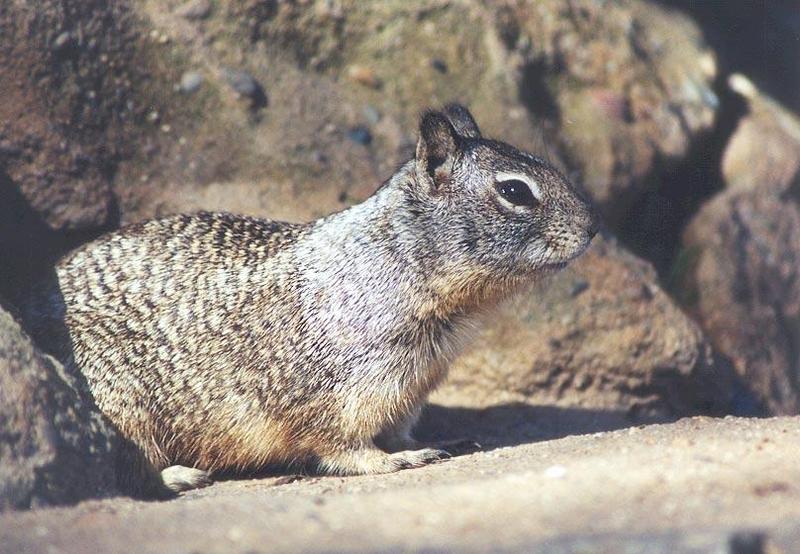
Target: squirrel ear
(436, 149)
(462, 121)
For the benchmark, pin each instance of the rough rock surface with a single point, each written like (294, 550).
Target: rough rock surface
(614, 90)
(58, 103)
(76, 85)
(740, 268)
(742, 283)
(54, 447)
(626, 94)
(697, 486)
(601, 335)
(764, 152)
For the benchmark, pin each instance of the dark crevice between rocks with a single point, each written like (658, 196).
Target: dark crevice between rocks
(653, 227)
(29, 248)
(744, 401)
(534, 93)
(514, 423)
(791, 328)
(739, 39)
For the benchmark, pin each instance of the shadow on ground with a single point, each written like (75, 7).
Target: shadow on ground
(515, 423)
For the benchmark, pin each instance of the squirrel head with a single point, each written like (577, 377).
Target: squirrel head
(493, 205)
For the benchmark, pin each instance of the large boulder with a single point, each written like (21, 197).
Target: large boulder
(55, 447)
(62, 86)
(740, 266)
(117, 112)
(742, 284)
(764, 151)
(608, 91)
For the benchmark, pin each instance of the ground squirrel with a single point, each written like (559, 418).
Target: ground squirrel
(217, 342)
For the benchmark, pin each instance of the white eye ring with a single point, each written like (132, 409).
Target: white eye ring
(533, 185)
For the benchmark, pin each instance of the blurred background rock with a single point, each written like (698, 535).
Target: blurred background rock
(112, 112)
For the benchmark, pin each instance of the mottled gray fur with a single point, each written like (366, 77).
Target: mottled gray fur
(221, 342)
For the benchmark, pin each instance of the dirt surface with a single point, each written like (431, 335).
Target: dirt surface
(698, 485)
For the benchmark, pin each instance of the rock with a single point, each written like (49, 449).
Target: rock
(190, 81)
(55, 447)
(599, 335)
(371, 114)
(627, 85)
(740, 275)
(611, 92)
(242, 82)
(63, 40)
(740, 265)
(360, 135)
(246, 86)
(764, 151)
(195, 9)
(66, 125)
(58, 115)
(439, 65)
(363, 76)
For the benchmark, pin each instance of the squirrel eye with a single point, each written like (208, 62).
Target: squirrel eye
(517, 192)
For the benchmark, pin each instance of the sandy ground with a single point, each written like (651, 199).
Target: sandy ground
(698, 485)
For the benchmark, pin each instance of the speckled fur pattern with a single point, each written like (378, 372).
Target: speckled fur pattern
(224, 342)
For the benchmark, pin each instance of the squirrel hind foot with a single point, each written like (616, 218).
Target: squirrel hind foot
(371, 460)
(182, 478)
(408, 459)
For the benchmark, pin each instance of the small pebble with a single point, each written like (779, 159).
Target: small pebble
(242, 82)
(63, 40)
(579, 287)
(190, 82)
(318, 157)
(360, 134)
(364, 76)
(439, 65)
(195, 9)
